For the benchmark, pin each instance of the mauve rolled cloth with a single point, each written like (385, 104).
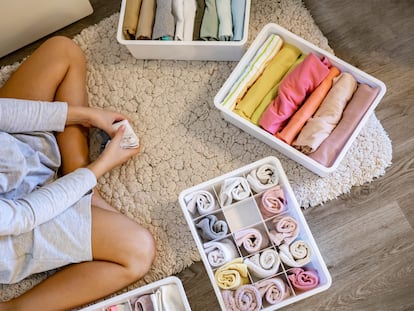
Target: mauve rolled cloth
(329, 150)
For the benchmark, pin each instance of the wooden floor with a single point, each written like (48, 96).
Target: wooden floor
(366, 237)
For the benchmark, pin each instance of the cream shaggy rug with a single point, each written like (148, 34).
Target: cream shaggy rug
(184, 140)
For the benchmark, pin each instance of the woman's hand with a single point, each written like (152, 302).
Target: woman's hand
(113, 155)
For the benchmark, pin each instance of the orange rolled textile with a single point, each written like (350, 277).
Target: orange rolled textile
(329, 150)
(309, 107)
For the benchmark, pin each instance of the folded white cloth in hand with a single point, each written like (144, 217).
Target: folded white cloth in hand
(201, 201)
(263, 178)
(264, 264)
(129, 139)
(220, 252)
(234, 189)
(212, 228)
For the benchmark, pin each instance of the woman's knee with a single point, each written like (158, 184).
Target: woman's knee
(67, 48)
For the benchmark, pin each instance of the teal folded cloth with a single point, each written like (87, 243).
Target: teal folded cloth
(238, 8)
(209, 23)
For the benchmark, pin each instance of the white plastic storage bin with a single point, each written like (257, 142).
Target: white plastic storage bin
(255, 130)
(243, 213)
(125, 302)
(186, 50)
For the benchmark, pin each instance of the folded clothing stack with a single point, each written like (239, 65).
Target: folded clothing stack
(184, 20)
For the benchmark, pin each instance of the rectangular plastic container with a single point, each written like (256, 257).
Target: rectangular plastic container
(186, 50)
(246, 213)
(127, 299)
(270, 139)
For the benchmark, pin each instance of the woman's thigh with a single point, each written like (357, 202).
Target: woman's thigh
(40, 75)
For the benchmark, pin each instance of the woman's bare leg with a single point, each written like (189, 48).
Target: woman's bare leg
(123, 252)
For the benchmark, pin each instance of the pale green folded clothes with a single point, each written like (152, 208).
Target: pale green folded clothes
(253, 70)
(209, 23)
(271, 75)
(272, 93)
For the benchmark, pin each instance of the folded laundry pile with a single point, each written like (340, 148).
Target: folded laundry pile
(300, 98)
(184, 20)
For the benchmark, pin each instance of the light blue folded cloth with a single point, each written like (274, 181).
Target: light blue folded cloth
(225, 30)
(238, 8)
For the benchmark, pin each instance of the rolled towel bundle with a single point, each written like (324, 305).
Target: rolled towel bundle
(274, 290)
(264, 264)
(245, 298)
(273, 202)
(286, 230)
(220, 252)
(212, 228)
(234, 189)
(143, 303)
(232, 275)
(169, 298)
(329, 113)
(263, 177)
(303, 279)
(201, 201)
(296, 254)
(251, 239)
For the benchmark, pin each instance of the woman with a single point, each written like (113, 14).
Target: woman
(48, 222)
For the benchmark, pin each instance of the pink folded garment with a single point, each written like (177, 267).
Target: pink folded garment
(302, 279)
(274, 290)
(251, 239)
(321, 125)
(293, 90)
(285, 230)
(273, 202)
(329, 150)
(245, 298)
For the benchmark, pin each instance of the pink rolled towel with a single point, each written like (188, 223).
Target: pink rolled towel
(251, 239)
(302, 279)
(274, 290)
(293, 90)
(286, 230)
(273, 202)
(245, 298)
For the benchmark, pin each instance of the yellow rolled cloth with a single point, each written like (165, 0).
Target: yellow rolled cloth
(272, 93)
(232, 275)
(253, 70)
(272, 74)
(130, 23)
(329, 113)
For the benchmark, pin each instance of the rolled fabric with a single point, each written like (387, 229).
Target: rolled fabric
(146, 20)
(251, 239)
(225, 27)
(164, 25)
(307, 110)
(143, 303)
(296, 254)
(274, 290)
(253, 70)
(293, 90)
(201, 201)
(286, 229)
(303, 279)
(264, 264)
(209, 23)
(272, 93)
(320, 126)
(190, 9)
(211, 228)
(131, 15)
(263, 177)
(273, 202)
(220, 252)
(169, 298)
(198, 18)
(178, 13)
(245, 298)
(330, 148)
(238, 9)
(271, 75)
(232, 275)
(234, 189)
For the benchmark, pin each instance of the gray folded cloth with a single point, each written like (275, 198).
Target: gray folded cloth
(164, 25)
(212, 228)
